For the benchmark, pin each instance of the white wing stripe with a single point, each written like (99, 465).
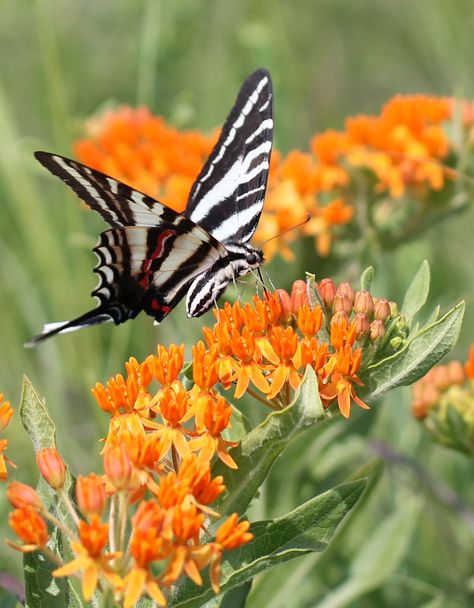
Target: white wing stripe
(266, 125)
(255, 153)
(224, 188)
(250, 192)
(228, 228)
(254, 172)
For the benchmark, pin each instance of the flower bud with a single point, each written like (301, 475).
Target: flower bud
(327, 291)
(340, 318)
(361, 325)
(364, 303)
(51, 467)
(299, 295)
(118, 467)
(285, 304)
(90, 494)
(393, 309)
(396, 342)
(377, 330)
(342, 303)
(346, 290)
(19, 494)
(455, 372)
(382, 309)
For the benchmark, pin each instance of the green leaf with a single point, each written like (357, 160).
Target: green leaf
(35, 418)
(417, 356)
(42, 589)
(236, 597)
(417, 292)
(309, 528)
(378, 558)
(241, 426)
(367, 278)
(262, 446)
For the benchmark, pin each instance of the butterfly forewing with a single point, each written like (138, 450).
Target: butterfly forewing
(227, 197)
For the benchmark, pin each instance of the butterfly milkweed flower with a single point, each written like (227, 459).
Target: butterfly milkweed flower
(6, 412)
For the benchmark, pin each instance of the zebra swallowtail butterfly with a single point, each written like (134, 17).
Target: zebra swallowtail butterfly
(152, 256)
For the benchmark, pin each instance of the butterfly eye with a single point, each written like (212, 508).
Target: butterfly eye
(252, 259)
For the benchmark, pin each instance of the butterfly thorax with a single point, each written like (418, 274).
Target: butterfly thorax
(206, 288)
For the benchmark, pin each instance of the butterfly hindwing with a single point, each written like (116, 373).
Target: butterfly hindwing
(227, 197)
(148, 268)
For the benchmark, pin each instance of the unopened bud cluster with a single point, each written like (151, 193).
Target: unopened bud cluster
(444, 400)
(367, 314)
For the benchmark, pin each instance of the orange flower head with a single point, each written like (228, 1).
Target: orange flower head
(205, 366)
(90, 495)
(309, 321)
(174, 404)
(51, 467)
(30, 527)
(187, 523)
(6, 412)
(469, 365)
(93, 535)
(167, 364)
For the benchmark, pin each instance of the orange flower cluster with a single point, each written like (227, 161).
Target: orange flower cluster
(130, 552)
(402, 147)
(265, 348)
(429, 390)
(6, 412)
(444, 400)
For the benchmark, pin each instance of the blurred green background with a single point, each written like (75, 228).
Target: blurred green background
(61, 60)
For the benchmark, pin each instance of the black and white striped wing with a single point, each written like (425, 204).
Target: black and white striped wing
(227, 197)
(117, 203)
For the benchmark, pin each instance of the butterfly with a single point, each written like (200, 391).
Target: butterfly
(152, 256)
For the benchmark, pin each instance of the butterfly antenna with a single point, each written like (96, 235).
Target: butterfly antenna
(305, 221)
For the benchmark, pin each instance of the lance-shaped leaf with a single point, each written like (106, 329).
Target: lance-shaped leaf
(367, 278)
(417, 292)
(262, 446)
(419, 355)
(307, 529)
(41, 588)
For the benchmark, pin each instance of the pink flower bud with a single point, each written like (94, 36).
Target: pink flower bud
(299, 295)
(342, 303)
(346, 290)
(382, 309)
(51, 467)
(327, 291)
(377, 330)
(361, 325)
(364, 303)
(20, 495)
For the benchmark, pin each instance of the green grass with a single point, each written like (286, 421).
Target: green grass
(329, 59)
